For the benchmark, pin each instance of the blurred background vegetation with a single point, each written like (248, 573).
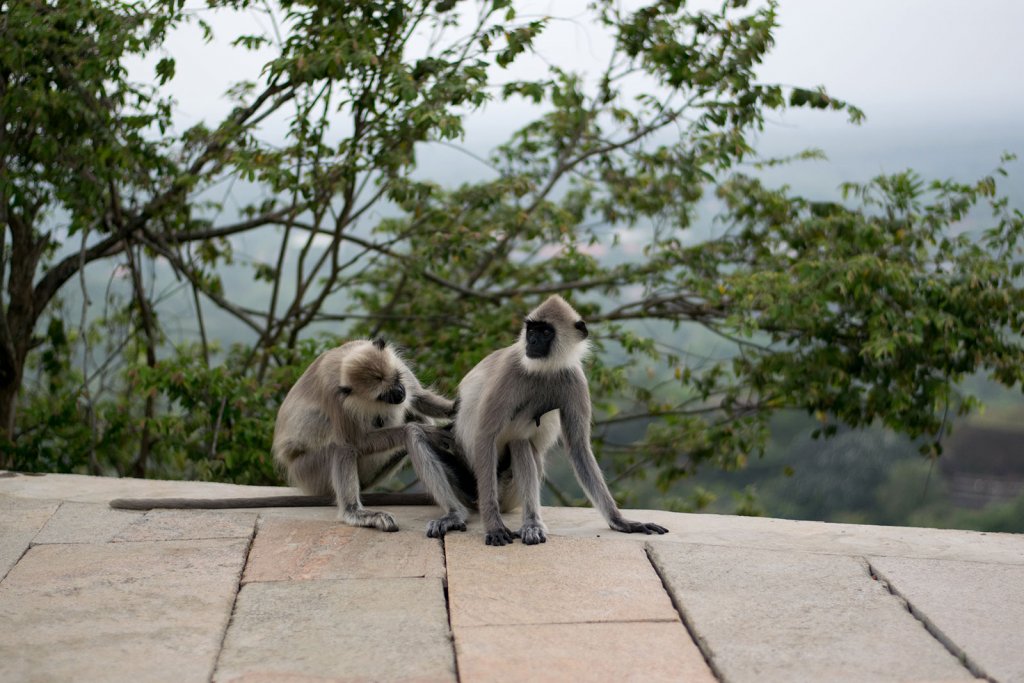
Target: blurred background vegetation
(807, 353)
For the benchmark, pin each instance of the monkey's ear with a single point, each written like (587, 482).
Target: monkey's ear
(344, 391)
(380, 343)
(582, 327)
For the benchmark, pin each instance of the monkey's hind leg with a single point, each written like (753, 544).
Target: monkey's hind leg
(334, 469)
(435, 478)
(526, 477)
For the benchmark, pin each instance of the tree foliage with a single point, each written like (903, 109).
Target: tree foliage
(869, 309)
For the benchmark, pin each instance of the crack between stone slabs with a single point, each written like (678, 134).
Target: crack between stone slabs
(934, 631)
(448, 607)
(24, 552)
(702, 646)
(234, 600)
(32, 541)
(53, 514)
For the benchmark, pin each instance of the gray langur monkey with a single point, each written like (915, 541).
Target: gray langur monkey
(342, 428)
(512, 408)
(346, 425)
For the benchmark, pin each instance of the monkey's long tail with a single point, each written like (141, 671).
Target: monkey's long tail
(371, 499)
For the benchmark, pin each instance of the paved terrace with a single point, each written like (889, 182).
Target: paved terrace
(91, 594)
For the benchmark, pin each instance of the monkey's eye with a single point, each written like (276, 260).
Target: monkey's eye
(548, 334)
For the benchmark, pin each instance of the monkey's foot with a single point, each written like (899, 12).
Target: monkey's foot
(630, 527)
(532, 534)
(498, 536)
(437, 528)
(369, 518)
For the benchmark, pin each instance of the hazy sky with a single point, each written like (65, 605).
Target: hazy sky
(941, 82)
(900, 59)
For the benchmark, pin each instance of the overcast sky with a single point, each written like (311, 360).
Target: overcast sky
(899, 59)
(941, 82)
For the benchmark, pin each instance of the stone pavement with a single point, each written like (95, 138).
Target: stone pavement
(93, 594)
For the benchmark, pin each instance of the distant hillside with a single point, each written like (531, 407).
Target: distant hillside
(984, 464)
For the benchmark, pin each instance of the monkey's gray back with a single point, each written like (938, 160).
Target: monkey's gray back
(300, 421)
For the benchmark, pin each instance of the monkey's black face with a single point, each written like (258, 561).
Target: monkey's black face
(394, 395)
(539, 338)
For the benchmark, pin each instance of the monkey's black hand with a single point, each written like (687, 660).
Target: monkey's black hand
(440, 438)
(531, 534)
(454, 409)
(499, 536)
(629, 527)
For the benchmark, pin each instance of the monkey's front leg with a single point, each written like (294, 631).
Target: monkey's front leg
(526, 477)
(426, 402)
(486, 467)
(576, 433)
(345, 481)
(346, 477)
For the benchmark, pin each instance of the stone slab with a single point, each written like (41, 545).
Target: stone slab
(976, 609)
(356, 630)
(178, 525)
(288, 549)
(139, 612)
(645, 652)
(788, 534)
(85, 523)
(763, 616)
(20, 521)
(566, 580)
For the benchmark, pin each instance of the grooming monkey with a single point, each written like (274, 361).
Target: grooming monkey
(346, 425)
(514, 405)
